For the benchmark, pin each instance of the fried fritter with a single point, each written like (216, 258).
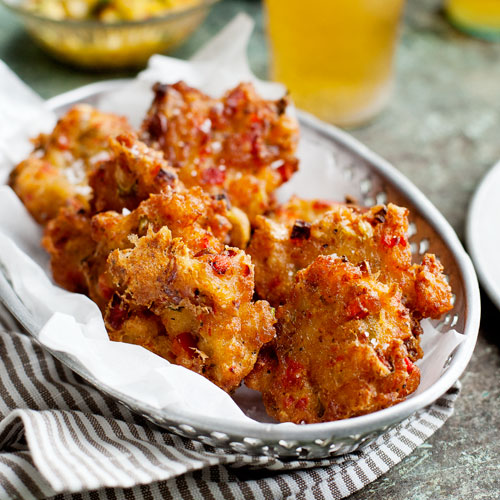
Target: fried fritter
(198, 314)
(79, 245)
(240, 144)
(132, 173)
(209, 322)
(376, 236)
(67, 238)
(342, 348)
(56, 174)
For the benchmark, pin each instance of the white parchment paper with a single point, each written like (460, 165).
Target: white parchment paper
(73, 323)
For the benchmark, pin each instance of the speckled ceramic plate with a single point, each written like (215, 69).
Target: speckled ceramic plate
(483, 232)
(370, 179)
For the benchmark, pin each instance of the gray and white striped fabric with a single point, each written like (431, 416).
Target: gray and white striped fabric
(60, 438)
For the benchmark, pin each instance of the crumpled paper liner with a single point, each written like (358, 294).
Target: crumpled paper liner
(73, 323)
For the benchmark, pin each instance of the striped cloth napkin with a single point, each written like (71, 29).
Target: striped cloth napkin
(61, 438)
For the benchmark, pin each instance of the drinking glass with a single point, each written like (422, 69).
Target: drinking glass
(335, 56)
(479, 18)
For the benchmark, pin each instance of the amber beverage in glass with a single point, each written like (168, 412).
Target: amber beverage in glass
(480, 18)
(335, 56)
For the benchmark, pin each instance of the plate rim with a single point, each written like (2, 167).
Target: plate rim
(492, 289)
(357, 425)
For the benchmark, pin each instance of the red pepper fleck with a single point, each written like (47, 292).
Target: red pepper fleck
(156, 169)
(187, 342)
(213, 176)
(409, 365)
(356, 310)
(301, 404)
(234, 99)
(220, 263)
(392, 241)
(205, 242)
(286, 171)
(105, 290)
(256, 147)
(320, 204)
(254, 118)
(293, 372)
(116, 315)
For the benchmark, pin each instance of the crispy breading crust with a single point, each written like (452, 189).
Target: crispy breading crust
(341, 347)
(240, 144)
(56, 174)
(203, 301)
(132, 173)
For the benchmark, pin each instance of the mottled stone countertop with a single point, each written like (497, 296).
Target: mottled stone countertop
(442, 130)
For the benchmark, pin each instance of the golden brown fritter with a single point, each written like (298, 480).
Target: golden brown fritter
(341, 347)
(79, 245)
(67, 239)
(240, 144)
(191, 215)
(132, 173)
(376, 236)
(56, 174)
(199, 313)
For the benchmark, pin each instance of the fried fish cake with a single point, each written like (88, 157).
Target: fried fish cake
(342, 347)
(377, 236)
(56, 174)
(195, 309)
(240, 144)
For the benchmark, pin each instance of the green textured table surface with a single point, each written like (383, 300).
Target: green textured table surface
(442, 129)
